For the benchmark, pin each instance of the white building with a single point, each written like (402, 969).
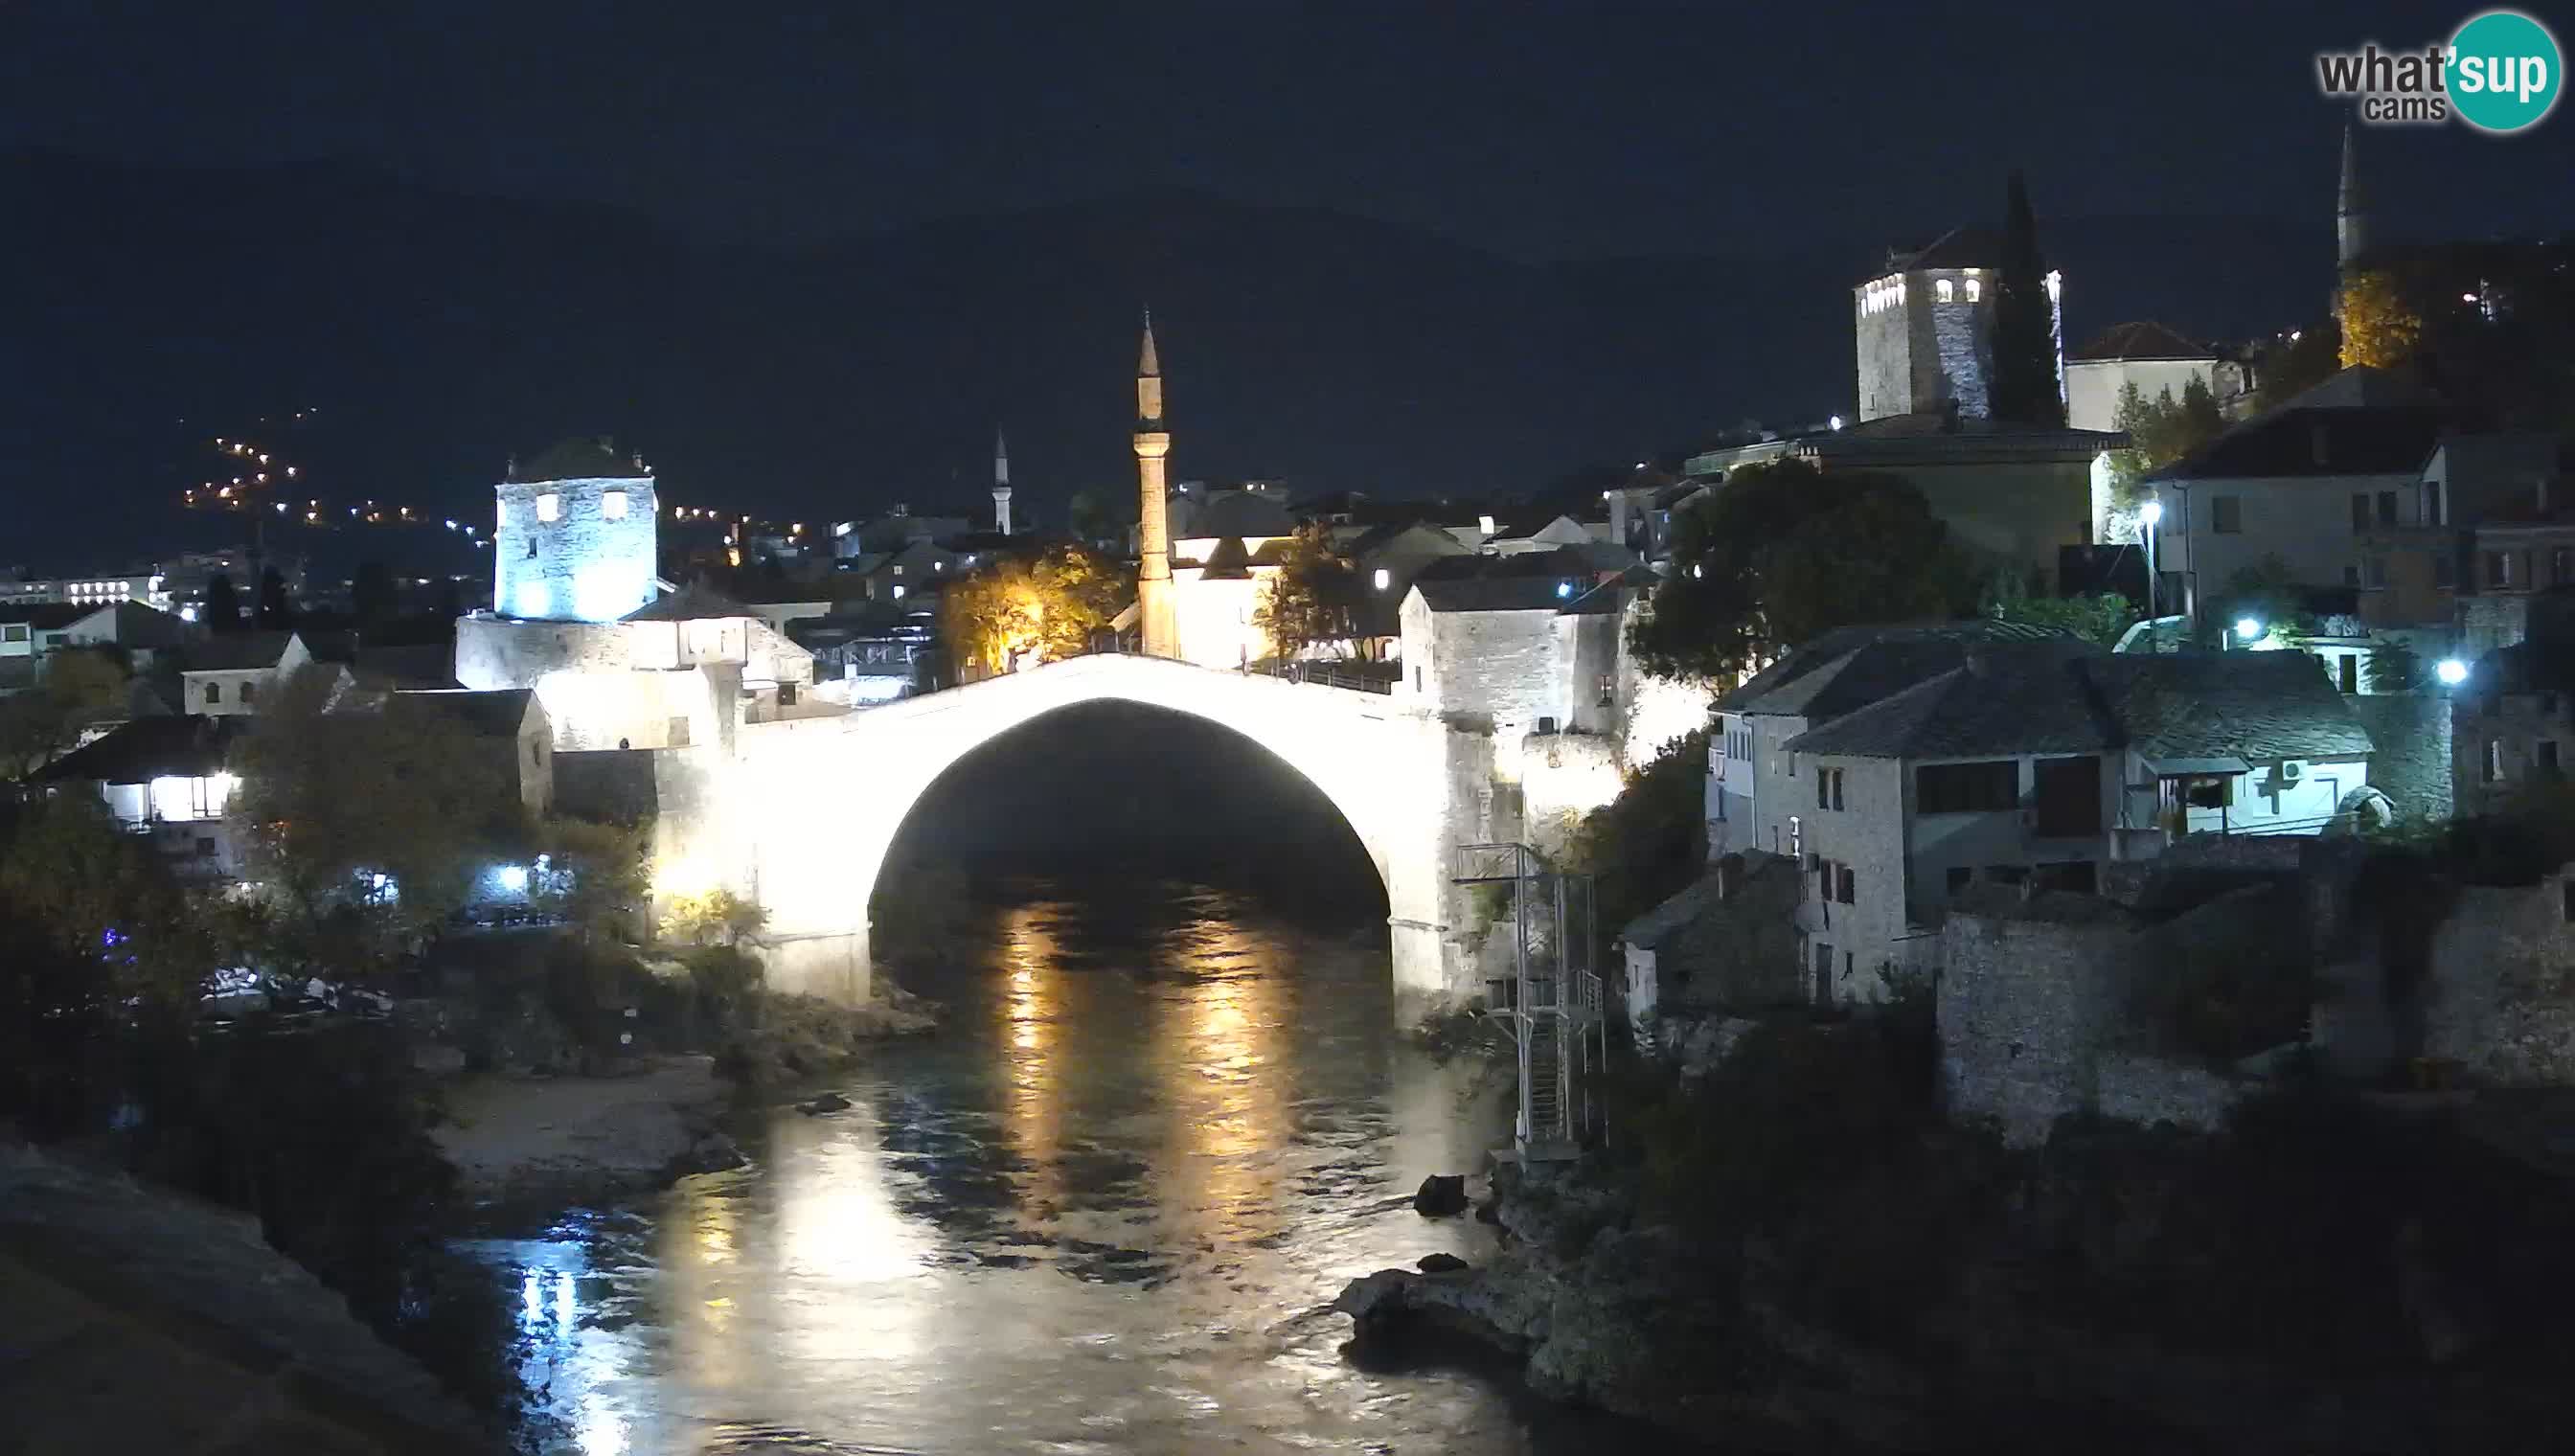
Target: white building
(2155, 358)
(228, 675)
(2036, 763)
(165, 778)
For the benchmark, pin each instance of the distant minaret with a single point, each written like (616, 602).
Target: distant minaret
(2351, 208)
(1001, 484)
(1159, 622)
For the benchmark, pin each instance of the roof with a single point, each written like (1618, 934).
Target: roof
(1494, 594)
(2140, 341)
(583, 457)
(1226, 560)
(1851, 666)
(420, 665)
(238, 652)
(181, 745)
(1241, 513)
(44, 616)
(2376, 440)
(2070, 699)
(1956, 248)
(689, 603)
(495, 712)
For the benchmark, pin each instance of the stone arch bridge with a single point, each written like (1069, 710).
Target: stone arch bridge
(801, 815)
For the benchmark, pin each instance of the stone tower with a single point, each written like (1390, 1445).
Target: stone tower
(1001, 484)
(576, 536)
(2351, 208)
(1925, 327)
(1156, 618)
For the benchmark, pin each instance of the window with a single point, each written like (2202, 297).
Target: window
(2498, 569)
(2214, 791)
(1608, 689)
(1844, 882)
(1823, 788)
(677, 732)
(1824, 974)
(15, 632)
(1837, 788)
(2543, 757)
(214, 692)
(2387, 508)
(2348, 667)
(249, 692)
(2360, 511)
(1946, 290)
(2070, 796)
(2226, 515)
(898, 569)
(2431, 503)
(2561, 565)
(550, 506)
(2491, 770)
(787, 695)
(1381, 579)
(612, 504)
(1976, 289)
(1941, 788)
(2378, 572)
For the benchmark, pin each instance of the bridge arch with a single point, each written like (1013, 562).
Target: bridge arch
(811, 807)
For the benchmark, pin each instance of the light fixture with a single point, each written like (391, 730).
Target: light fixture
(514, 878)
(2248, 628)
(2151, 513)
(2451, 672)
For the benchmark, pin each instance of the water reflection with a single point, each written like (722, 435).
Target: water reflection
(1097, 1213)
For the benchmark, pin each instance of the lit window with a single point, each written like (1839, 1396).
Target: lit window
(897, 591)
(550, 506)
(1946, 290)
(1976, 289)
(1383, 578)
(612, 504)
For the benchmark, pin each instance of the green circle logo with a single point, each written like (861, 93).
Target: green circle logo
(2504, 71)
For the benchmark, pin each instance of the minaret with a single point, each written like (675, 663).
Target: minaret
(1001, 484)
(2351, 209)
(1156, 617)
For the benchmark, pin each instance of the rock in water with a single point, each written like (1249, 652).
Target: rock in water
(1440, 1263)
(1442, 1195)
(828, 1102)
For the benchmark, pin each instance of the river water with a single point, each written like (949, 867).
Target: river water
(1098, 1212)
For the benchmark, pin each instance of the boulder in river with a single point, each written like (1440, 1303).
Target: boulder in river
(828, 1102)
(1442, 1195)
(1440, 1264)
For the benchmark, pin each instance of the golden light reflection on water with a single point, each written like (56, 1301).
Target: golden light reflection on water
(1223, 1037)
(1031, 1008)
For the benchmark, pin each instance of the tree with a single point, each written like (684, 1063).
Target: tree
(1783, 551)
(2393, 667)
(2100, 618)
(1092, 518)
(365, 827)
(595, 874)
(1044, 609)
(95, 894)
(371, 595)
(2310, 357)
(222, 609)
(81, 685)
(1309, 601)
(2027, 386)
(273, 612)
(2160, 432)
(2380, 327)
(710, 917)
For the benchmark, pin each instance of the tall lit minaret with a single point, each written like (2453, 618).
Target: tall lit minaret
(1001, 484)
(2351, 209)
(1158, 620)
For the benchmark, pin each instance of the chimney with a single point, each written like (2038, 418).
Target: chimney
(1729, 876)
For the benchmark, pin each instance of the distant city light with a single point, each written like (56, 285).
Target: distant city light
(2451, 672)
(1564, 589)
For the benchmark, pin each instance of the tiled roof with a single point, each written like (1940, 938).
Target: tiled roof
(689, 603)
(2140, 341)
(496, 712)
(2319, 440)
(2051, 699)
(238, 652)
(182, 746)
(1816, 682)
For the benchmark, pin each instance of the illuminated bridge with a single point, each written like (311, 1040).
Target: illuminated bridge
(801, 816)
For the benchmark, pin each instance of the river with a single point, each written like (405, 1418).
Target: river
(1100, 1210)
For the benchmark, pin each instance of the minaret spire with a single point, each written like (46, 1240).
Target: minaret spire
(1000, 483)
(2351, 206)
(1158, 620)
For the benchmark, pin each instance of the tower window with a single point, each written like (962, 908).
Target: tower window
(1945, 288)
(550, 506)
(1976, 289)
(612, 504)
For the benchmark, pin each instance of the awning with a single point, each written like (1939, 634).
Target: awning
(2197, 768)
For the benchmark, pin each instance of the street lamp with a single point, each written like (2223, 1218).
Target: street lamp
(2451, 672)
(2248, 628)
(2152, 514)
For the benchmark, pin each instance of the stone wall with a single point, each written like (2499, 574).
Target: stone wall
(2410, 733)
(1961, 340)
(2153, 1091)
(1564, 776)
(2024, 1006)
(2499, 732)
(1503, 669)
(2499, 994)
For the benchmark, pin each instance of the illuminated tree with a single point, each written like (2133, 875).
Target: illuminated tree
(1309, 601)
(710, 917)
(1019, 611)
(2380, 328)
(2026, 389)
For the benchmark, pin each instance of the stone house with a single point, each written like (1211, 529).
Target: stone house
(2512, 723)
(1726, 943)
(229, 673)
(2484, 532)
(2042, 762)
(164, 779)
(507, 724)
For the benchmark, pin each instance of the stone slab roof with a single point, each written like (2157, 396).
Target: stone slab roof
(2297, 440)
(491, 711)
(180, 746)
(2140, 341)
(689, 603)
(1851, 666)
(238, 652)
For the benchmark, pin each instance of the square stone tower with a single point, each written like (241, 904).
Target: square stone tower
(576, 536)
(1926, 328)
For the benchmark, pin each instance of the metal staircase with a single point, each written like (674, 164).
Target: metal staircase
(1552, 998)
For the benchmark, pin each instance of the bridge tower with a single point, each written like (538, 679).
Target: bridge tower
(1156, 618)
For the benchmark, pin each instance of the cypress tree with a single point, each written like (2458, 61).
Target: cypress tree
(222, 609)
(273, 612)
(2026, 382)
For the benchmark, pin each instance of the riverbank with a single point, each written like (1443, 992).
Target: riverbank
(515, 1138)
(1795, 1269)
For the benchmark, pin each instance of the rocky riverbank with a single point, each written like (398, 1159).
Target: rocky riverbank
(2104, 1295)
(527, 1138)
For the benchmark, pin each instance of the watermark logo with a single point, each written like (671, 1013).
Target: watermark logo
(2500, 73)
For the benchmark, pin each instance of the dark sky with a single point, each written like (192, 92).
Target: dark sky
(1542, 131)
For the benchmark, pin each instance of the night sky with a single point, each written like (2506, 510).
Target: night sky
(1572, 140)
